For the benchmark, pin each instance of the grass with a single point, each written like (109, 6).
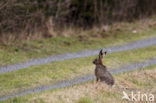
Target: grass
(117, 34)
(65, 70)
(92, 92)
(84, 100)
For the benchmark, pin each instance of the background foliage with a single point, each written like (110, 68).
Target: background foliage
(26, 17)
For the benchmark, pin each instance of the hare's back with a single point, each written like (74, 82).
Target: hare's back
(107, 77)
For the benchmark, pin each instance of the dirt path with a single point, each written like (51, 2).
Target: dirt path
(66, 56)
(80, 80)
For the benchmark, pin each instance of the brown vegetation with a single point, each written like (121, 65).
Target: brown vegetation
(39, 18)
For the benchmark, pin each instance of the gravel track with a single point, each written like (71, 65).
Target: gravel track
(80, 80)
(66, 56)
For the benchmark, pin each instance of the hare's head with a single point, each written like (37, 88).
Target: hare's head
(99, 59)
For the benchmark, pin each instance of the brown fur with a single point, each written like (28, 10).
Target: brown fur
(101, 72)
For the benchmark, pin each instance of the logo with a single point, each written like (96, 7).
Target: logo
(138, 96)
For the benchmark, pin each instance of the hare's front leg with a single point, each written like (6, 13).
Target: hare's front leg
(97, 78)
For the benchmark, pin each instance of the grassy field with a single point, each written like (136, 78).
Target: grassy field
(142, 80)
(117, 34)
(22, 50)
(51, 73)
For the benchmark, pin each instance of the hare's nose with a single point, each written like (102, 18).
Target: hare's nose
(93, 62)
(105, 52)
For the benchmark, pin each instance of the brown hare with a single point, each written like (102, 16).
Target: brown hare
(101, 72)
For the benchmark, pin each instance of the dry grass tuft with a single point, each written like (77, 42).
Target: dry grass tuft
(69, 95)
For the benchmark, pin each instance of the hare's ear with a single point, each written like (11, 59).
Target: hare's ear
(105, 52)
(100, 54)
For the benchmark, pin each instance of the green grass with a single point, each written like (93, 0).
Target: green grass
(22, 50)
(84, 100)
(91, 92)
(69, 69)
